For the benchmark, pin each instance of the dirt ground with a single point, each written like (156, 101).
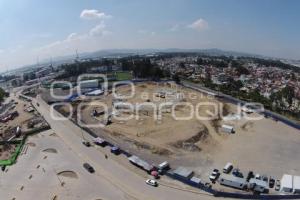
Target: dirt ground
(264, 146)
(8, 128)
(165, 136)
(6, 151)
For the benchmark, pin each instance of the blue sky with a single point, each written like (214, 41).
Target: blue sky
(44, 29)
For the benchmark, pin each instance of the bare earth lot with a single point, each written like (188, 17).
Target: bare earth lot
(264, 146)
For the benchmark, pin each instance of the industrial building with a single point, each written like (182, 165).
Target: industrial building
(88, 84)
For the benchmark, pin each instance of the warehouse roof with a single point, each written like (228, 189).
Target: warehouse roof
(287, 182)
(296, 183)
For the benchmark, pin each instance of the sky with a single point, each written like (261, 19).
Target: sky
(32, 30)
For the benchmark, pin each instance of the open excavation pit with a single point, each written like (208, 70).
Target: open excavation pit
(68, 174)
(50, 150)
(192, 143)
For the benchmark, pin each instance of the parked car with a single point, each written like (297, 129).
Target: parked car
(86, 143)
(236, 172)
(115, 150)
(88, 167)
(214, 175)
(152, 182)
(277, 185)
(208, 185)
(250, 175)
(265, 178)
(271, 182)
(257, 176)
(227, 168)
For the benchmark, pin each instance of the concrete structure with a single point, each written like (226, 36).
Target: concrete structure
(296, 184)
(286, 183)
(233, 181)
(184, 173)
(258, 185)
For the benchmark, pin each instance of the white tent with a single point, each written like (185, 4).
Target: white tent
(95, 93)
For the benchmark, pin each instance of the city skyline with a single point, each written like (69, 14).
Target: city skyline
(51, 29)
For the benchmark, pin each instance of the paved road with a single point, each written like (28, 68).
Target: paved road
(117, 175)
(43, 168)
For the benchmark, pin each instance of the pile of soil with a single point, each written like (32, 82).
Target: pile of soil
(190, 143)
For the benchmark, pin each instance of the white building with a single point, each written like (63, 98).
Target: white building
(286, 183)
(89, 84)
(296, 184)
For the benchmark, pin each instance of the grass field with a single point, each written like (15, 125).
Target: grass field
(121, 76)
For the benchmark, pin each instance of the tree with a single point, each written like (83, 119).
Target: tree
(242, 70)
(2, 94)
(182, 65)
(288, 94)
(176, 78)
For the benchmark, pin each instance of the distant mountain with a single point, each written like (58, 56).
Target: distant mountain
(129, 52)
(124, 52)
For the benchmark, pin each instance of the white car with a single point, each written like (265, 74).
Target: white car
(214, 175)
(152, 182)
(257, 176)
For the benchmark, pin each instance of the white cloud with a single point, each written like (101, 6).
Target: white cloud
(98, 30)
(174, 28)
(72, 36)
(74, 39)
(146, 32)
(93, 14)
(199, 25)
